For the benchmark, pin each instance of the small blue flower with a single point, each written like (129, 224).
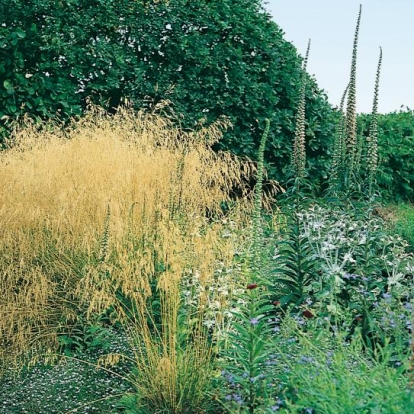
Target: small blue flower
(254, 321)
(238, 398)
(353, 276)
(306, 359)
(387, 297)
(230, 379)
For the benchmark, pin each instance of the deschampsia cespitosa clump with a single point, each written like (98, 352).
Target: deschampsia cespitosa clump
(118, 218)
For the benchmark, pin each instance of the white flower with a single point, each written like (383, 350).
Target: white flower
(209, 323)
(410, 268)
(334, 268)
(328, 246)
(316, 225)
(362, 240)
(223, 290)
(348, 258)
(395, 279)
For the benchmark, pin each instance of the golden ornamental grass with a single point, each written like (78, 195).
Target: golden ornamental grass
(115, 205)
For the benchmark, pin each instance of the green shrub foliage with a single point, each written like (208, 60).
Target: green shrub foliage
(207, 58)
(395, 175)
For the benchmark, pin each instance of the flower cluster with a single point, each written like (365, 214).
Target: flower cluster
(357, 251)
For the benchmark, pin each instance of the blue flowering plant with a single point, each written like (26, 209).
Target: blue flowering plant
(247, 379)
(246, 348)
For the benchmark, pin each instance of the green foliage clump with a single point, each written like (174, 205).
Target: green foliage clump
(395, 175)
(327, 374)
(401, 219)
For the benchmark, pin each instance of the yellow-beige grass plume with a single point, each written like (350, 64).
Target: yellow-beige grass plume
(152, 182)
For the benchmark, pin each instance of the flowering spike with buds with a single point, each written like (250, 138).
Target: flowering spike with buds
(258, 199)
(339, 149)
(244, 361)
(351, 124)
(105, 237)
(372, 140)
(299, 153)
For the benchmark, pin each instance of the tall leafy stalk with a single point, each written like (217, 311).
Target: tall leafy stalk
(351, 123)
(257, 216)
(248, 352)
(338, 151)
(293, 271)
(299, 151)
(103, 254)
(372, 140)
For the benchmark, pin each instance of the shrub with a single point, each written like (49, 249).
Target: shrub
(396, 142)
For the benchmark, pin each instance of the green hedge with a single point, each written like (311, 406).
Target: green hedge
(396, 153)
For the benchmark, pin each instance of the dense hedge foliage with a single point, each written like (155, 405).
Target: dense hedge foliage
(396, 152)
(208, 58)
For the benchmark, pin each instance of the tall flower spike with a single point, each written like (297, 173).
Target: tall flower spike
(351, 123)
(258, 197)
(372, 139)
(103, 255)
(338, 151)
(299, 152)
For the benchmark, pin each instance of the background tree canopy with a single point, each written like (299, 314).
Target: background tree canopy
(209, 58)
(396, 153)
